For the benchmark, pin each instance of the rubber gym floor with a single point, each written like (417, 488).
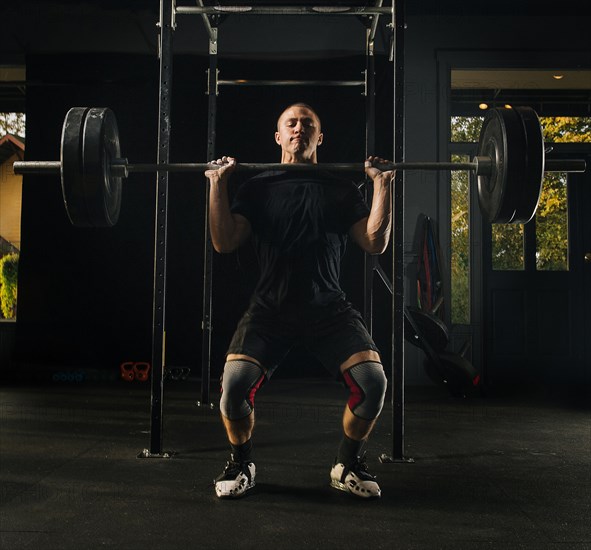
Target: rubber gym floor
(508, 471)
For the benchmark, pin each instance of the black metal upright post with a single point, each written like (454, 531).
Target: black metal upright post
(370, 115)
(212, 90)
(398, 28)
(160, 237)
(398, 22)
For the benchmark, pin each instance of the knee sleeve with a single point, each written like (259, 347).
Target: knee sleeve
(240, 382)
(367, 384)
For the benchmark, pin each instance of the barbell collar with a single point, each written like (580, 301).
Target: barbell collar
(119, 168)
(483, 165)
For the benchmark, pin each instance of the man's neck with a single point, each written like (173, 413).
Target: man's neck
(288, 158)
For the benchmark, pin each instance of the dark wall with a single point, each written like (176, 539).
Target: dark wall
(85, 295)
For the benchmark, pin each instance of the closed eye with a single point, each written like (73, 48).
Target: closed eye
(307, 122)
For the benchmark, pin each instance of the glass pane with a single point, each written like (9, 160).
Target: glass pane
(466, 129)
(552, 224)
(507, 247)
(12, 123)
(12, 146)
(564, 129)
(460, 244)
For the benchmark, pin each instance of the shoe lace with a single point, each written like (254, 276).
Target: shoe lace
(359, 467)
(233, 468)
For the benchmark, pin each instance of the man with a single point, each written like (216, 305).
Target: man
(299, 223)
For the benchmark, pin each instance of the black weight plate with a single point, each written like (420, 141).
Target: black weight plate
(429, 328)
(458, 369)
(534, 171)
(502, 139)
(453, 371)
(100, 146)
(71, 169)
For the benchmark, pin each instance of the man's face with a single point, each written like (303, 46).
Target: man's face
(298, 133)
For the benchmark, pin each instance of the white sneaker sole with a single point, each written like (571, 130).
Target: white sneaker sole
(222, 490)
(338, 485)
(355, 487)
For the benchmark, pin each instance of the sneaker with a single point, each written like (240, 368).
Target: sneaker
(235, 480)
(355, 479)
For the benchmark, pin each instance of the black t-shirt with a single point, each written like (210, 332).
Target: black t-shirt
(299, 225)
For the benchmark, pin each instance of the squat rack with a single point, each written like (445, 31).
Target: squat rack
(211, 17)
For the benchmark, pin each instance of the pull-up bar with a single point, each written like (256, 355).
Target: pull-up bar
(283, 10)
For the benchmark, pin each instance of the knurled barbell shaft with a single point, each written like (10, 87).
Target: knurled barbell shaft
(37, 167)
(301, 167)
(480, 165)
(51, 167)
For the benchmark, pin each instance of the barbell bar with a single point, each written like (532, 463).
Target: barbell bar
(121, 167)
(509, 166)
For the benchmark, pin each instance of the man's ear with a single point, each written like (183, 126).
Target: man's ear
(320, 138)
(278, 138)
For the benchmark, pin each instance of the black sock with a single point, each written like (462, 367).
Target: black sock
(349, 450)
(242, 453)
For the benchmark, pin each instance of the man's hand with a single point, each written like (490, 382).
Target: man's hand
(373, 233)
(377, 175)
(217, 175)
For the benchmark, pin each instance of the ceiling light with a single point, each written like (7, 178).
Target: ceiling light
(507, 106)
(557, 76)
(483, 106)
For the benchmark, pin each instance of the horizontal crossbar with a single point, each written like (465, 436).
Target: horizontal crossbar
(283, 10)
(291, 82)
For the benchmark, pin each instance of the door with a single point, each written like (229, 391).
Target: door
(537, 302)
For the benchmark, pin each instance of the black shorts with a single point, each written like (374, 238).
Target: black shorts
(332, 337)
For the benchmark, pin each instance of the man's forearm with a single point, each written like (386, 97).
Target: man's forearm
(379, 223)
(222, 226)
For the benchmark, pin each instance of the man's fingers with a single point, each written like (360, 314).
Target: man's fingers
(374, 168)
(225, 166)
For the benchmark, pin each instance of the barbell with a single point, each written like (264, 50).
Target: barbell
(509, 166)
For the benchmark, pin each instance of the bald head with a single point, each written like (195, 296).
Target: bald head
(301, 106)
(298, 134)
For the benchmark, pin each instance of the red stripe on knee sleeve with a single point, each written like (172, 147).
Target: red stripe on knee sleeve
(356, 396)
(254, 389)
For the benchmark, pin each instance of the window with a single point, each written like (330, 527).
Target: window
(508, 247)
(12, 146)
(551, 220)
(463, 130)
(460, 244)
(552, 225)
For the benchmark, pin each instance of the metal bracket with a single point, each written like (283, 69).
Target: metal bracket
(369, 43)
(392, 45)
(215, 87)
(159, 26)
(386, 459)
(213, 41)
(147, 454)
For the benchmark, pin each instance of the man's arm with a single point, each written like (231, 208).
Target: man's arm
(228, 231)
(372, 234)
